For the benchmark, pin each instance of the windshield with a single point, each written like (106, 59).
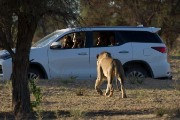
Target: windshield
(47, 39)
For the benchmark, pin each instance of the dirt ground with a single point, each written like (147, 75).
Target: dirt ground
(73, 99)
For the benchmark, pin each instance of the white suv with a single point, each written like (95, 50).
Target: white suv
(72, 52)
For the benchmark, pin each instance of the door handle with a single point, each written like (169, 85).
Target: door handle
(124, 51)
(83, 53)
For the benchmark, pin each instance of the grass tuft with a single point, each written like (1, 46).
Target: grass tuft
(160, 112)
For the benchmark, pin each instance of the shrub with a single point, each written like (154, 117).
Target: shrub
(36, 91)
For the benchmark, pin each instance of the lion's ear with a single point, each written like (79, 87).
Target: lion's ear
(97, 56)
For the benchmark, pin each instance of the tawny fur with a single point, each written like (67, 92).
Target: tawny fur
(108, 69)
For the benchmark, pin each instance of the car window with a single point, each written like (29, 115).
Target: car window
(139, 36)
(47, 39)
(105, 39)
(73, 40)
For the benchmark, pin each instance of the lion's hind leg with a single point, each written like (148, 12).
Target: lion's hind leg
(121, 80)
(97, 85)
(109, 89)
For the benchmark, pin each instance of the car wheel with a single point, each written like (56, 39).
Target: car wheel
(136, 74)
(34, 74)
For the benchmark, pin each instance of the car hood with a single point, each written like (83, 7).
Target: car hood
(2, 52)
(6, 53)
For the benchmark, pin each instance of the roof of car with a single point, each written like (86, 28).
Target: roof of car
(105, 28)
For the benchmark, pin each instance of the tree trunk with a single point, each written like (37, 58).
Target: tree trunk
(20, 90)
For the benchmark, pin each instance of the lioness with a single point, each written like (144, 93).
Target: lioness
(107, 69)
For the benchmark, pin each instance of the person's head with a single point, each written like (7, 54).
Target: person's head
(100, 34)
(101, 40)
(67, 39)
(68, 42)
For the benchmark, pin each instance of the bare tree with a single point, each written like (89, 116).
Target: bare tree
(171, 24)
(159, 13)
(27, 14)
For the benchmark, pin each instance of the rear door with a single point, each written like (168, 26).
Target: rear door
(120, 49)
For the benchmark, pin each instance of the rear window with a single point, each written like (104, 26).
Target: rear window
(139, 36)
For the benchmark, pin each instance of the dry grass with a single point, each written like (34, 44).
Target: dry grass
(153, 99)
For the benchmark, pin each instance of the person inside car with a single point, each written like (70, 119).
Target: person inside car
(67, 42)
(112, 41)
(77, 40)
(101, 40)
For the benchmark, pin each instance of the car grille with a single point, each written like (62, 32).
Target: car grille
(1, 69)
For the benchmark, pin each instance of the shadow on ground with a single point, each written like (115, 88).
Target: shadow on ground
(66, 114)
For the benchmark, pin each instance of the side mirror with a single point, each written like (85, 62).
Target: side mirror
(55, 45)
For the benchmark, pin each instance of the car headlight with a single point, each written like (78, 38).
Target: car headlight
(5, 56)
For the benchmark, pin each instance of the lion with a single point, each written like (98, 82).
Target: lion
(108, 69)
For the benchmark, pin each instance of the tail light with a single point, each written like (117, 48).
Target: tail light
(160, 49)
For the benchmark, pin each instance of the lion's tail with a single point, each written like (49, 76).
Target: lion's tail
(116, 73)
(117, 84)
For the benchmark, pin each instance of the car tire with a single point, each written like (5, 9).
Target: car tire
(35, 74)
(136, 72)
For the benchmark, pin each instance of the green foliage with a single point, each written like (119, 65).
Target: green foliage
(36, 91)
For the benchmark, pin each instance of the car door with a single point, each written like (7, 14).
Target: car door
(69, 63)
(121, 50)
